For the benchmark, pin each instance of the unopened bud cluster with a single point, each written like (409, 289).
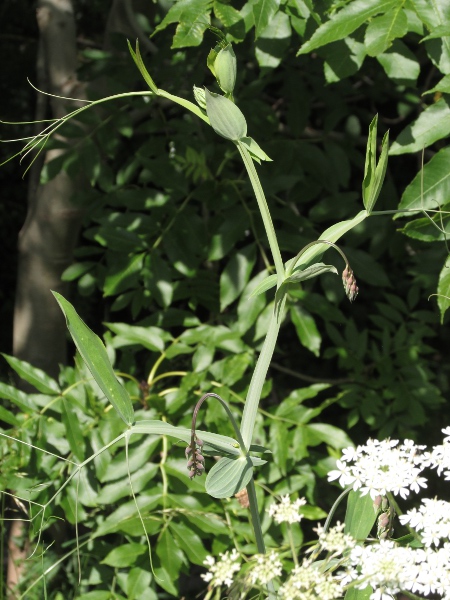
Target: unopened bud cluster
(196, 461)
(349, 281)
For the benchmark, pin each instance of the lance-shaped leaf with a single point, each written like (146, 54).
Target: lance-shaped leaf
(140, 65)
(345, 22)
(373, 173)
(360, 516)
(38, 378)
(444, 289)
(310, 272)
(225, 117)
(229, 476)
(266, 284)
(332, 234)
(93, 353)
(213, 442)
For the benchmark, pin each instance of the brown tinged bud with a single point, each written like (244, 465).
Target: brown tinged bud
(195, 463)
(377, 502)
(349, 281)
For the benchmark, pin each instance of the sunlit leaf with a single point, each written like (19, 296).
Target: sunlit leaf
(93, 353)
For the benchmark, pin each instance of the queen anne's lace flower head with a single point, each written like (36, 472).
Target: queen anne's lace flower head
(381, 467)
(266, 568)
(222, 571)
(287, 511)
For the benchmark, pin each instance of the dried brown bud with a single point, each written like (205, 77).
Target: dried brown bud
(242, 496)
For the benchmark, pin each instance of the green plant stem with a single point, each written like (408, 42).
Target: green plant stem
(291, 542)
(259, 375)
(254, 513)
(264, 210)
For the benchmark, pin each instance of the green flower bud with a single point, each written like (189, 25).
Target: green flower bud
(199, 95)
(225, 69)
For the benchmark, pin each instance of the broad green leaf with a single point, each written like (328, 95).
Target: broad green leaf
(273, 42)
(329, 434)
(231, 369)
(38, 378)
(213, 441)
(189, 542)
(73, 430)
(124, 556)
(436, 17)
(17, 397)
(306, 329)
(400, 64)
(345, 22)
(431, 125)
(169, 553)
(190, 32)
(148, 337)
(8, 417)
(138, 582)
(442, 86)
(191, 16)
(354, 594)
(342, 58)
(229, 16)
(236, 274)
(228, 477)
(123, 273)
(118, 239)
(444, 289)
(166, 581)
(99, 595)
(360, 516)
(225, 117)
(93, 353)
(120, 488)
(430, 188)
(76, 270)
(263, 13)
(383, 29)
(429, 229)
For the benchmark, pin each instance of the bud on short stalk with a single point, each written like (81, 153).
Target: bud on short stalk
(225, 69)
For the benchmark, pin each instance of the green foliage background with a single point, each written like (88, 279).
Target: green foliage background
(172, 247)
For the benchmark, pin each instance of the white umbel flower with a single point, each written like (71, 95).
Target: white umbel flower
(267, 567)
(222, 571)
(380, 467)
(286, 511)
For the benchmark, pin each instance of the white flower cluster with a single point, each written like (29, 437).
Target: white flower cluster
(267, 567)
(431, 520)
(222, 571)
(439, 457)
(308, 583)
(381, 467)
(389, 569)
(335, 541)
(287, 511)
(388, 466)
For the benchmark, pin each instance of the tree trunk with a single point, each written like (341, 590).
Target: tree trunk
(48, 236)
(50, 231)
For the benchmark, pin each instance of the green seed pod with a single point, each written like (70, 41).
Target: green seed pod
(199, 95)
(225, 69)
